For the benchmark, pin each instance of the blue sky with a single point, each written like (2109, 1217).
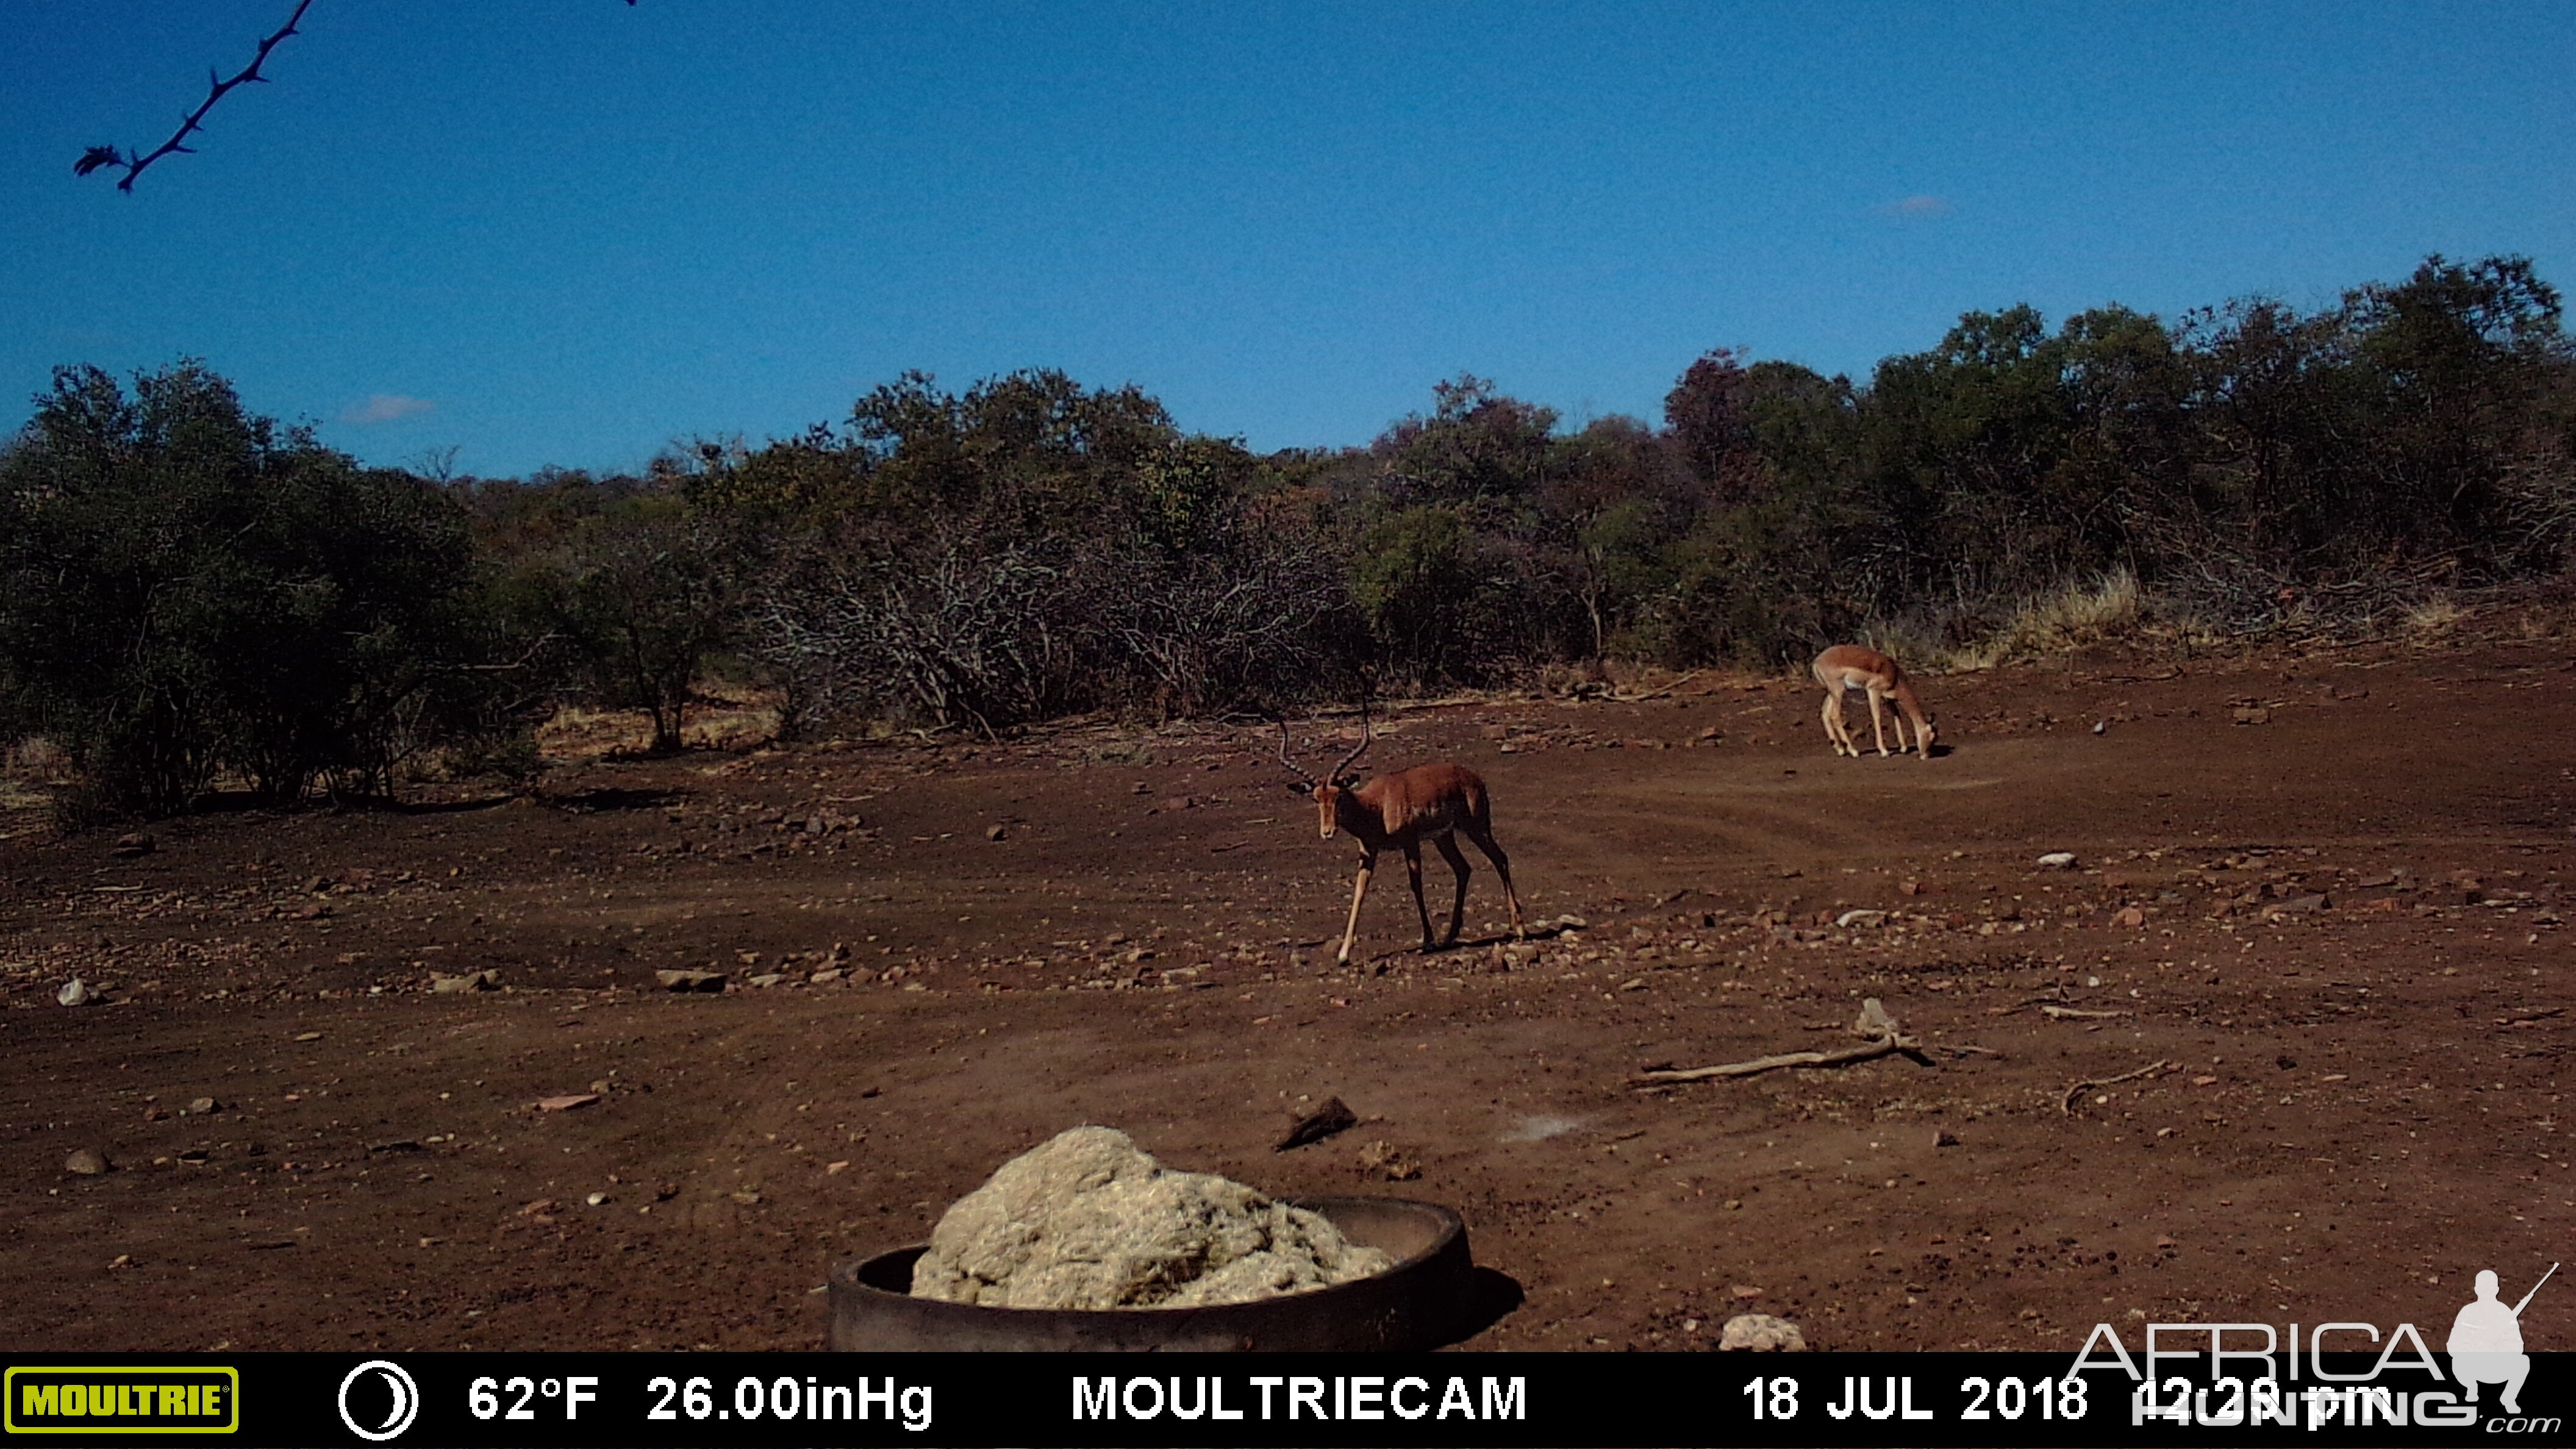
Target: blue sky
(573, 231)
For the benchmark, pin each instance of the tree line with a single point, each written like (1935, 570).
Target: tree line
(189, 592)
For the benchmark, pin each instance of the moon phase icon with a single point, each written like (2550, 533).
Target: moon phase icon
(398, 1385)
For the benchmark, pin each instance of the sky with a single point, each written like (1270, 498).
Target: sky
(505, 234)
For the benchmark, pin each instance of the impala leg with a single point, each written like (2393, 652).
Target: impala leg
(1413, 870)
(1457, 909)
(1502, 867)
(1359, 893)
(1878, 724)
(1833, 716)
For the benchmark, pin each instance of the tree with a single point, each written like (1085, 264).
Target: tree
(650, 593)
(1477, 445)
(186, 587)
(1415, 580)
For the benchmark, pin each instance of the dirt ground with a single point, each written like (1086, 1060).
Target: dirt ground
(2336, 1108)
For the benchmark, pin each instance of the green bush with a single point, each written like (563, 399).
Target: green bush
(186, 588)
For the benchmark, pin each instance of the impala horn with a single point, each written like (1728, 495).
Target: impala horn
(1308, 781)
(1368, 734)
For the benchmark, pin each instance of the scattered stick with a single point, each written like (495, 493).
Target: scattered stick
(1885, 1046)
(2055, 994)
(2062, 1012)
(1656, 693)
(1884, 1036)
(2066, 1104)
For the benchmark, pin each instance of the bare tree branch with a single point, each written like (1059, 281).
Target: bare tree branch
(98, 158)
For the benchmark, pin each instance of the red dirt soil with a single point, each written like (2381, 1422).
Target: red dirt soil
(2359, 1106)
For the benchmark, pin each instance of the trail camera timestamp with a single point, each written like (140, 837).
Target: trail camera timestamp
(1779, 1398)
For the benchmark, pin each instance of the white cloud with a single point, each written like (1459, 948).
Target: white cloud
(1915, 206)
(386, 407)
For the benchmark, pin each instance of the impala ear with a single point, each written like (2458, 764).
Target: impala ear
(1346, 782)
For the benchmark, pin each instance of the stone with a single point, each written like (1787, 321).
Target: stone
(690, 980)
(2058, 860)
(1394, 1164)
(1761, 1333)
(470, 981)
(135, 844)
(996, 832)
(1334, 1116)
(85, 1163)
(200, 1106)
(1874, 1023)
(1089, 1220)
(2297, 906)
(75, 992)
(566, 1103)
(2128, 916)
(1861, 918)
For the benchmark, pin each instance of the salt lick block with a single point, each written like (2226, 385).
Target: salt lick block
(1415, 1304)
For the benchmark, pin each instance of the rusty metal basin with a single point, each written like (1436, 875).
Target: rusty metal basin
(1418, 1303)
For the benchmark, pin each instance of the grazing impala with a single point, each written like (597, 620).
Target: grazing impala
(1848, 667)
(1403, 809)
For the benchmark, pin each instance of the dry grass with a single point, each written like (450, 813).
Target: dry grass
(2071, 619)
(729, 720)
(2437, 614)
(30, 772)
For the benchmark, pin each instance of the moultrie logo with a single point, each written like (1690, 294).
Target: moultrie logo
(192, 1400)
(403, 1393)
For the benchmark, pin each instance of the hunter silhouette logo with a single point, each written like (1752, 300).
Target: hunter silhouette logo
(2486, 1342)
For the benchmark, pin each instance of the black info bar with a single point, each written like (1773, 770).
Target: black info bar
(1566, 1400)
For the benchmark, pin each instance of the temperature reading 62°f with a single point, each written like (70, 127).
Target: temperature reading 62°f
(484, 1396)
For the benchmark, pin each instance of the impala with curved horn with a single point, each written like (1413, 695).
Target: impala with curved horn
(1403, 809)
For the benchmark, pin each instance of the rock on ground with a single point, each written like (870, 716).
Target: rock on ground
(1089, 1220)
(1761, 1333)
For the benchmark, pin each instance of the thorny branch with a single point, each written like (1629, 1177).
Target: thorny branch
(99, 157)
